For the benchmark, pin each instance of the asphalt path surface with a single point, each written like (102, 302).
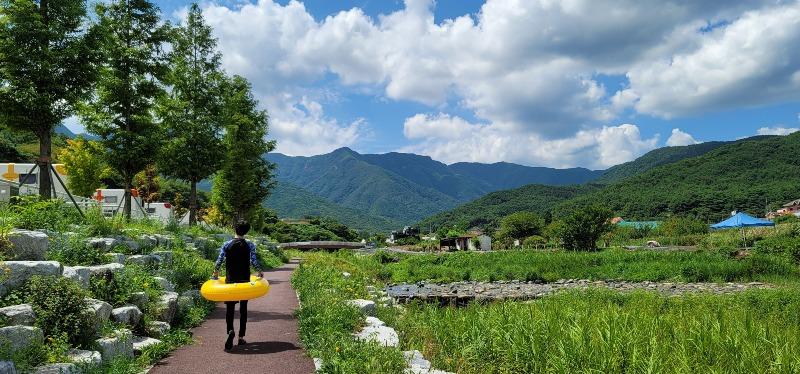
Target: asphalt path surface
(273, 341)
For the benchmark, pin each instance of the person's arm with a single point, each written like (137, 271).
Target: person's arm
(220, 258)
(254, 259)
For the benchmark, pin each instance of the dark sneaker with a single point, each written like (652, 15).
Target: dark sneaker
(229, 342)
(242, 342)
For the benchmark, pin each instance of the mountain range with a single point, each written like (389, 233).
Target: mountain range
(395, 188)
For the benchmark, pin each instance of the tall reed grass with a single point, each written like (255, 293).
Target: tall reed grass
(607, 332)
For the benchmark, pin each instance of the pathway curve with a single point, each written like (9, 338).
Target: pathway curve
(273, 341)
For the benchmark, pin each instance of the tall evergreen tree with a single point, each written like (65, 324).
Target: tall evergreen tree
(47, 62)
(245, 179)
(122, 111)
(192, 112)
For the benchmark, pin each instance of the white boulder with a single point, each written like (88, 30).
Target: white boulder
(376, 331)
(60, 368)
(85, 357)
(19, 337)
(166, 285)
(119, 345)
(100, 312)
(141, 342)
(18, 272)
(129, 315)
(103, 244)
(19, 314)
(157, 329)
(7, 367)
(28, 245)
(366, 307)
(143, 260)
(80, 274)
(167, 306)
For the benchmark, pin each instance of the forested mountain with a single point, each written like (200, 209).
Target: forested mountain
(488, 210)
(663, 156)
(504, 175)
(292, 201)
(744, 175)
(407, 187)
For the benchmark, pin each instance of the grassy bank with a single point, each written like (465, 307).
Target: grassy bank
(327, 323)
(548, 266)
(603, 331)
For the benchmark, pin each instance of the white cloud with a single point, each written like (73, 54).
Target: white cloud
(777, 130)
(441, 126)
(526, 69)
(594, 148)
(752, 61)
(679, 138)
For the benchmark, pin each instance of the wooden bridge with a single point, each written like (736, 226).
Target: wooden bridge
(322, 245)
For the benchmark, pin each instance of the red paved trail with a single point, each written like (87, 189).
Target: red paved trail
(273, 343)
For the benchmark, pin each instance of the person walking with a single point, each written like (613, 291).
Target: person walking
(238, 254)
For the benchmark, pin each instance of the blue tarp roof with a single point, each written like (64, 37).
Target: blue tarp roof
(742, 220)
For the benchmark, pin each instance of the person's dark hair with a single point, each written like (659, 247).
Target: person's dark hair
(241, 228)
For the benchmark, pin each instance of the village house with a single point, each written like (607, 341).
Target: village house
(471, 242)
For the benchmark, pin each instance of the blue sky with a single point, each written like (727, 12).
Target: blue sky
(533, 82)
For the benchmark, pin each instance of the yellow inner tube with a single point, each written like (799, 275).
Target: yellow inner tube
(218, 290)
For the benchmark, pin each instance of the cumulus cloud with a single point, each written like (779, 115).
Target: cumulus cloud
(594, 148)
(679, 138)
(748, 62)
(521, 67)
(777, 130)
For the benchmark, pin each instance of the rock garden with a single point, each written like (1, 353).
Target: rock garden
(84, 295)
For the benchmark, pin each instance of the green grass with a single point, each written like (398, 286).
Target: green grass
(607, 332)
(327, 323)
(651, 265)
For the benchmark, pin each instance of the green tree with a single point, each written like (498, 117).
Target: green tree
(121, 112)
(245, 178)
(192, 111)
(85, 166)
(583, 228)
(520, 225)
(47, 65)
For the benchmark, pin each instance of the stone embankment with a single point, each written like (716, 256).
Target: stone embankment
(29, 251)
(463, 292)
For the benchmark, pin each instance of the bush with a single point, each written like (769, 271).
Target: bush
(188, 270)
(35, 214)
(25, 359)
(680, 226)
(73, 251)
(534, 241)
(60, 308)
(583, 228)
(788, 218)
(786, 246)
(118, 288)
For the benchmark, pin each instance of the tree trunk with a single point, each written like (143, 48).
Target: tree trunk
(45, 179)
(126, 210)
(193, 203)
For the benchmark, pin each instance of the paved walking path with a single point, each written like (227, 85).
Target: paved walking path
(274, 344)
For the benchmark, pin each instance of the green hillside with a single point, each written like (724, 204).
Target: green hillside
(663, 156)
(745, 175)
(504, 175)
(488, 210)
(291, 201)
(344, 178)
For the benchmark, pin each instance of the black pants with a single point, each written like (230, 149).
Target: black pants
(231, 306)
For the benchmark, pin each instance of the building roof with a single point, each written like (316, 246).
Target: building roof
(792, 203)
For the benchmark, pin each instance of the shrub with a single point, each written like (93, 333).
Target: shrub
(534, 241)
(118, 288)
(788, 218)
(680, 226)
(787, 246)
(34, 214)
(25, 359)
(60, 308)
(188, 270)
(583, 228)
(73, 251)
